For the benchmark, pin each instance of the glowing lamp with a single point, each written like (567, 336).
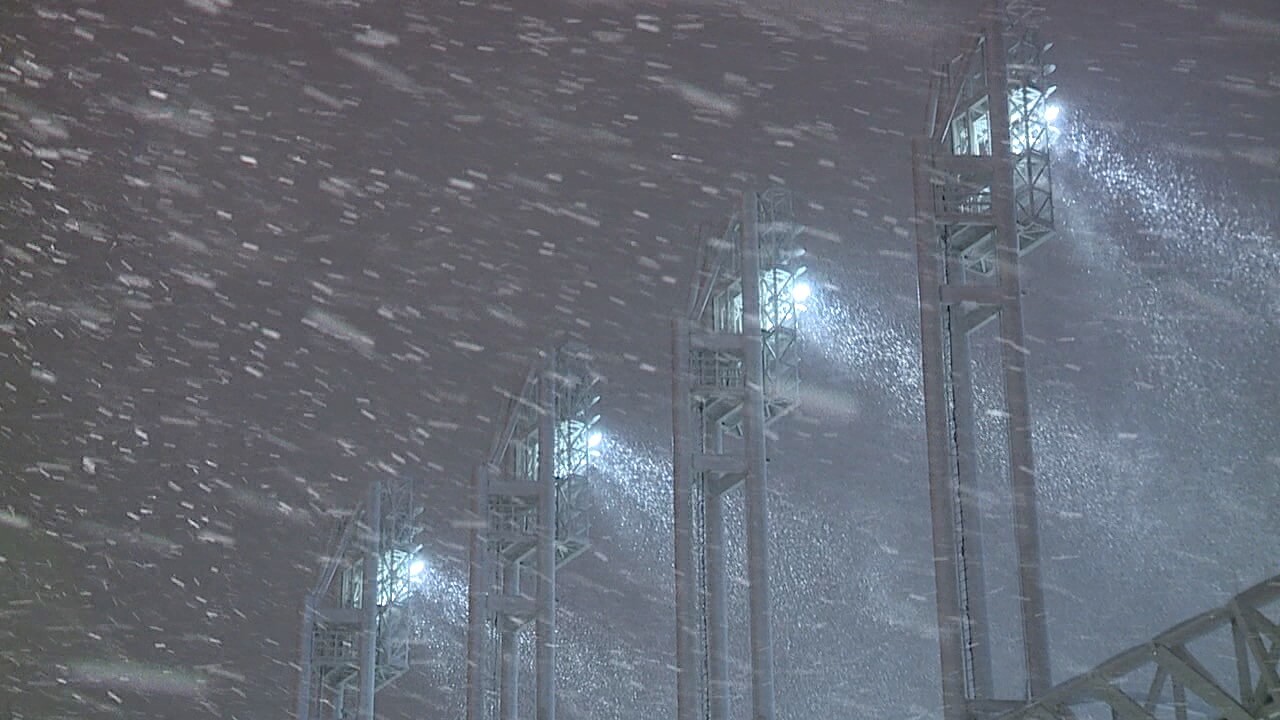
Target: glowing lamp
(801, 291)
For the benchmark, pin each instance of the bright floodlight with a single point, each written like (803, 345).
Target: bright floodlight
(594, 439)
(1052, 112)
(781, 299)
(399, 572)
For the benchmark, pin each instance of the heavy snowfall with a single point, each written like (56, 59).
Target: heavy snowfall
(254, 255)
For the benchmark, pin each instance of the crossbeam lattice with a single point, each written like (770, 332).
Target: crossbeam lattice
(1223, 664)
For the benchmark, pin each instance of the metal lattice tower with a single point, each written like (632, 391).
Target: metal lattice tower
(357, 621)
(983, 195)
(530, 519)
(735, 370)
(983, 199)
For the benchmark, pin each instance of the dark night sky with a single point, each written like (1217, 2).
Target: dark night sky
(250, 249)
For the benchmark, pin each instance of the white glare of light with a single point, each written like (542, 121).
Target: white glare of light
(801, 291)
(594, 439)
(417, 569)
(1052, 112)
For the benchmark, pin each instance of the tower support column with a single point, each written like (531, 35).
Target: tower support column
(753, 419)
(369, 603)
(545, 622)
(735, 369)
(682, 513)
(983, 195)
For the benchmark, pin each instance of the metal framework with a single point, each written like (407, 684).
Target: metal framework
(357, 621)
(983, 199)
(1222, 664)
(530, 519)
(983, 194)
(735, 370)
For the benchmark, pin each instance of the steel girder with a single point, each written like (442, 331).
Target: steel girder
(1223, 664)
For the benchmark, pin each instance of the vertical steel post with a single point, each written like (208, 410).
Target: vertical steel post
(326, 702)
(757, 479)
(1022, 477)
(478, 588)
(369, 602)
(545, 623)
(717, 611)
(717, 591)
(509, 651)
(941, 490)
(305, 672)
(340, 703)
(968, 494)
(682, 494)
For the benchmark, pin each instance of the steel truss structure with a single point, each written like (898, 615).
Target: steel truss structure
(984, 198)
(530, 519)
(1223, 664)
(735, 370)
(357, 621)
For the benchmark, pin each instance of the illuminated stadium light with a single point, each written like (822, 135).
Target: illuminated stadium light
(576, 444)
(573, 446)
(801, 291)
(1031, 119)
(398, 573)
(963, 128)
(782, 297)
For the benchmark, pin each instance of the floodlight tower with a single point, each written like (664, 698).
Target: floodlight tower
(735, 370)
(983, 195)
(530, 519)
(357, 621)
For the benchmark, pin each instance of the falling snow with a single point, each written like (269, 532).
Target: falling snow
(254, 256)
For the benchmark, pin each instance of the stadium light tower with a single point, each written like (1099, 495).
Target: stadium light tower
(530, 519)
(984, 198)
(357, 621)
(735, 369)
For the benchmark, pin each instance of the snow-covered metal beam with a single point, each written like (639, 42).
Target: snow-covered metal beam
(1183, 672)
